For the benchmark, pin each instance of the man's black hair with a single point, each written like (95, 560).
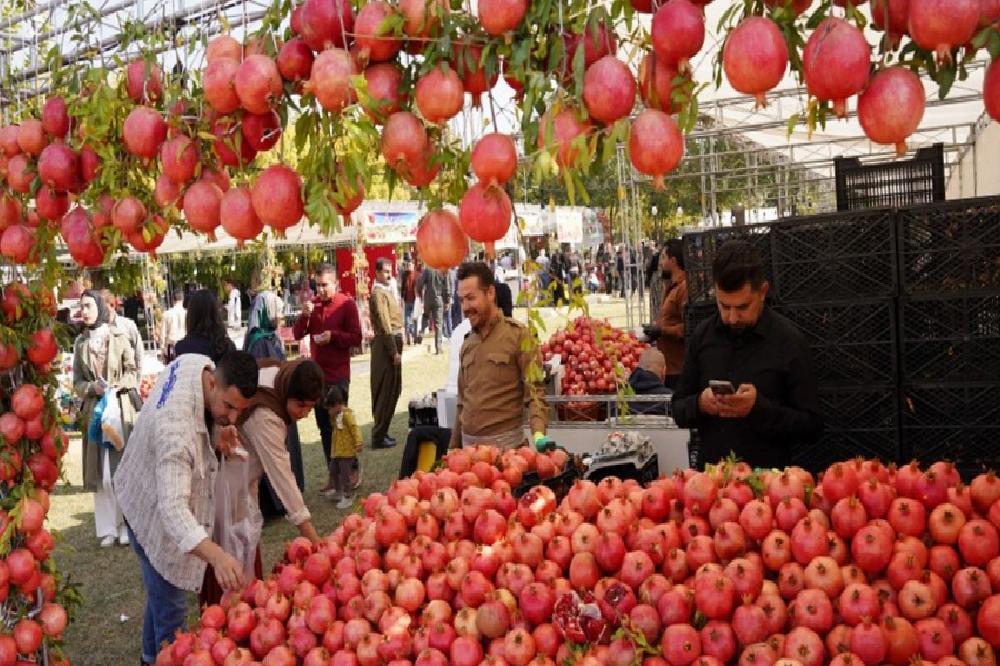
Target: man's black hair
(307, 382)
(675, 250)
(323, 269)
(381, 263)
(477, 269)
(334, 396)
(239, 369)
(178, 295)
(736, 264)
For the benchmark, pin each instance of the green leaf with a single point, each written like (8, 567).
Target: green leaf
(793, 120)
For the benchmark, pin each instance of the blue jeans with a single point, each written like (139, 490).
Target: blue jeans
(166, 606)
(409, 323)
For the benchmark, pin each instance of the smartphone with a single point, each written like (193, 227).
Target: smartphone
(721, 387)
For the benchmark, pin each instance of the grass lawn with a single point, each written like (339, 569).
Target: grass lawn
(107, 628)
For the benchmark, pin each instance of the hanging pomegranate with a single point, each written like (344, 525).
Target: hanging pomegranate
(50, 205)
(20, 174)
(642, 6)
(891, 107)
(798, 7)
(8, 140)
(836, 61)
(59, 167)
(501, 16)
(166, 192)
(31, 136)
(484, 214)
(469, 63)
(330, 80)
(404, 139)
(179, 157)
(941, 25)
(989, 12)
(563, 130)
(295, 60)
(55, 118)
(439, 94)
(201, 207)
(441, 243)
(898, 14)
(755, 57)
(656, 84)
(385, 90)
(678, 32)
(237, 216)
(374, 45)
(494, 159)
(656, 145)
(219, 83)
(348, 197)
(512, 80)
(87, 252)
(144, 131)
(218, 177)
(597, 41)
(143, 81)
(223, 46)
(17, 242)
(10, 210)
(277, 197)
(422, 18)
(258, 83)
(104, 211)
(991, 91)
(230, 146)
(90, 163)
(261, 131)
(150, 236)
(609, 90)
(423, 171)
(128, 215)
(326, 23)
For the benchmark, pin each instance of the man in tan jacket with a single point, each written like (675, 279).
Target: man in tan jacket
(387, 349)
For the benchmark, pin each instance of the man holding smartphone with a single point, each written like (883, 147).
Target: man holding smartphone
(747, 384)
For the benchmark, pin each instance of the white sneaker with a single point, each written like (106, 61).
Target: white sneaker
(330, 494)
(123, 538)
(108, 541)
(345, 503)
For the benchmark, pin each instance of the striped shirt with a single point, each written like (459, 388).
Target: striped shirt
(166, 478)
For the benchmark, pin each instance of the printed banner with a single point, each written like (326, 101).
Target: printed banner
(391, 228)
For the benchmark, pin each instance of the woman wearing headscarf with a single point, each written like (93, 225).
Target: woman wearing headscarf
(286, 393)
(103, 367)
(206, 334)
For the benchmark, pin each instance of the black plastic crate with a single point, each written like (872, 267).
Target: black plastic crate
(891, 184)
(853, 343)
(836, 257)
(950, 247)
(700, 249)
(958, 422)
(858, 422)
(950, 338)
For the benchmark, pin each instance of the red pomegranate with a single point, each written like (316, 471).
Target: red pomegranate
(10, 210)
(494, 159)
(500, 16)
(386, 93)
(755, 57)
(796, 6)
(891, 107)
(17, 242)
(143, 81)
(20, 174)
(261, 130)
(898, 14)
(55, 118)
(31, 136)
(441, 242)
(237, 216)
(230, 146)
(59, 167)
(485, 214)
(330, 80)
(150, 235)
(201, 206)
(326, 23)
(179, 157)
(373, 45)
(277, 197)
(223, 46)
(295, 60)
(836, 61)
(941, 25)
(439, 94)
(166, 192)
(219, 82)
(8, 140)
(562, 130)
(597, 41)
(50, 205)
(423, 171)
(468, 62)
(678, 32)
(656, 84)
(218, 177)
(422, 18)
(989, 12)
(258, 83)
(655, 144)
(609, 89)
(404, 139)
(144, 131)
(991, 91)
(87, 251)
(90, 163)
(128, 215)
(348, 197)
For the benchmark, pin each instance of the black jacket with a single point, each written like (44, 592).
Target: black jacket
(774, 357)
(644, 382)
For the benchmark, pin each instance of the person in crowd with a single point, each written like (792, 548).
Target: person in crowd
(173, 328)
(647, 379)
(165, 485)
(132, 305)
(332, 322)
(770, 404)
(672, 309)
(557, 274)
(433, 289)
(347, 442)
(234, 306)
(387, 349)
(103, 371)
(286, 393)
(454, 308)
(493, 388)
(654, 278)
(408, 294)
(206, 334)
(262, 340)
(127, 326)
(504, 299)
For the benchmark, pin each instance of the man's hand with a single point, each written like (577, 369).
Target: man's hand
(397, 359)
(738, 405)
(228, 571)
(322, 338)
(228, 440)
(708, 404)
(98, 389)
(307, 308)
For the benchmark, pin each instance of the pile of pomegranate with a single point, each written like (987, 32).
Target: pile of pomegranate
(595, 354)
(864, 565)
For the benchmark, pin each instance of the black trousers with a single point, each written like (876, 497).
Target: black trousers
(441, 436)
